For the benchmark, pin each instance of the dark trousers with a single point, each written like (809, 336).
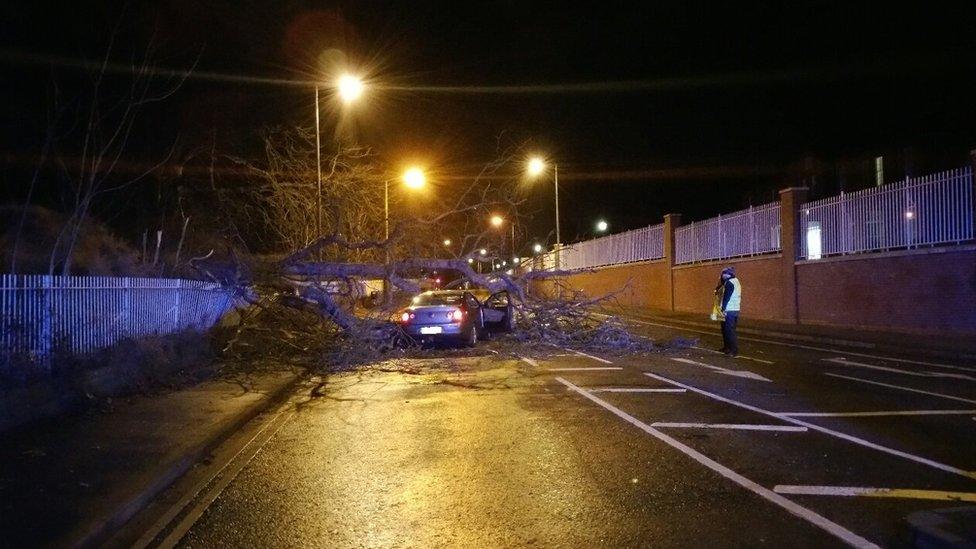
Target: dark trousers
(729, 341)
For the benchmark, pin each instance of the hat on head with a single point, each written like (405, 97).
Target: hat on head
(730, 271)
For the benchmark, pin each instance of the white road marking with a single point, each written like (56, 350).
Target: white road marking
(634, 390)
(844, 436)
(734, 426)
(811, 347)
(909, 389)
(794, 508)
(845, 362)
(880, 414)
(907, 493)
(707, 350)
(596, 358)
(529, 361)
(736, 373)
(586, 369)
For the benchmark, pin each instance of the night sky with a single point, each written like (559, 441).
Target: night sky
(648, 107)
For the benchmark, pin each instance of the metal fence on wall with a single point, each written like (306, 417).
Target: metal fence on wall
(627, 247)
(934, 209)
(79, 314)
(743, 233)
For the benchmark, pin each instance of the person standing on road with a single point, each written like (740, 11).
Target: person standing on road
(730, 302)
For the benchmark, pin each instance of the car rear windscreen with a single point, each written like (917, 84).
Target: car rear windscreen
(438, 299)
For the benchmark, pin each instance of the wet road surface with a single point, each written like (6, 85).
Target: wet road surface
(784, 446)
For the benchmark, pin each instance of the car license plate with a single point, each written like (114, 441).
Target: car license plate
(427, 330)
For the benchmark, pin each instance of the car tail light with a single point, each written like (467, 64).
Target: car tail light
(457, 315)
(405, 317)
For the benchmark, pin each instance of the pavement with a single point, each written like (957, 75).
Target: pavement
(793, 443)
(73, 480)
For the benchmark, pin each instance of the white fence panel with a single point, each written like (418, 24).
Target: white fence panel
(80, 314)
(919, 211)
(642, 244)
(748, 232)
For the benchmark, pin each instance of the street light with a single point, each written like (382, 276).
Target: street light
(497, 221)
(535, 168)
(349, 88)
(447, 241)
(537, 248)
(601, 226)
(413, 178)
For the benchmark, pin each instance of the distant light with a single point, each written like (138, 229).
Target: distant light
(350, 88)
(504, 263)
(437, 281)
(414, 178)
(537, 248)
(909, 215)
(483, 251)
(470, 260)
(447, 241)
(508, 272)
(497, 220)
(601, 225)
(516, 260)
(536, 166)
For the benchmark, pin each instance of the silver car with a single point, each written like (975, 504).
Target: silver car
(456, 315)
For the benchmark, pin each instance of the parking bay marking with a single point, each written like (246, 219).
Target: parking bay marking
(810, 347)
(585, 369)
(732, 426)
(844, 436)
(736, 373)
(596, 358)
(881, 413)
(845, 362)
(906, 493)
(792, 507)
(909, 389)
(635, 390)
(707, 350)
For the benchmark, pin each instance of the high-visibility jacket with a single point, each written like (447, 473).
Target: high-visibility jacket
(732, 295)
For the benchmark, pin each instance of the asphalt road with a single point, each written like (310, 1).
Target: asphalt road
(784, 446)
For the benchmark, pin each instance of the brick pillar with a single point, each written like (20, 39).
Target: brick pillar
(671, 222)
(791, 230)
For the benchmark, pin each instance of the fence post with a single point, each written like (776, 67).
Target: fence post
(972, 183)
(671, 222)
(126, 307)
(47, 333)
(791, 231)
(176, 305)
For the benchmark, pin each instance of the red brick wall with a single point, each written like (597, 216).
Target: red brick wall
(763, 289)
(644, 284)
(920, 292)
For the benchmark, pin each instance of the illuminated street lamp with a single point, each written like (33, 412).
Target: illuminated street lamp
(447, 241)
(601, 226)
(536, 166)
(349, 88)
(497, 220)
(537, 248)
(483, 251)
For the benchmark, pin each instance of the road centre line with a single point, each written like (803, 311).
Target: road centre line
(635, 390)
(596, 358)
(732, 426)
(584, 369)
(906, 493)
(794, 508)
(811, 347)
(909, 389)
(844, 436)
(844, 362)
(881, 414)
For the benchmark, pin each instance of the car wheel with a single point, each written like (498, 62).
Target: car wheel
(472, 339)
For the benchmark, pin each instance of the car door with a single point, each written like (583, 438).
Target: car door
(497, 309)
(473, 307)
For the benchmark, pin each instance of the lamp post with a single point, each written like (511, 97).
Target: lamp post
(349, 88)
(535, 167)
(413, 178)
